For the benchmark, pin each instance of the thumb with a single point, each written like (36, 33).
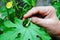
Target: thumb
(40, 21)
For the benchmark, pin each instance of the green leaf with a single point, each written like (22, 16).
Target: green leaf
(13, 28)
(10, 35)
(8, 23)
(32, 32)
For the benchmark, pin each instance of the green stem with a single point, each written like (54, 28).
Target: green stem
(28, 23)
(15, 4)
(5, 1)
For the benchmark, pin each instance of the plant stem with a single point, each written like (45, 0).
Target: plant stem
(28, 23)
(15, 4)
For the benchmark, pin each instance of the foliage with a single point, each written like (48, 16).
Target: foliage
(56, 4)
(13, 28)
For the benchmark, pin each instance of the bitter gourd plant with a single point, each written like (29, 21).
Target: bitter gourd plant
(11, 25)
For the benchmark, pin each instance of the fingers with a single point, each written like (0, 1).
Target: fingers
(31, 12)
(41, 10)
(42, 22)
(38, 21)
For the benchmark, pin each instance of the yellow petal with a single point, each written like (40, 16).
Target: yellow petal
(9, 5)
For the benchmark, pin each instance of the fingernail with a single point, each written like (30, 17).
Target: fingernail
(23, 19)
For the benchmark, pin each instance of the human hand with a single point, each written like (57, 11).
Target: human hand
(45, 16)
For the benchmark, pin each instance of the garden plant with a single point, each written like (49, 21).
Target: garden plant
(12, 27)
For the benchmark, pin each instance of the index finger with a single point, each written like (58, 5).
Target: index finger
(41, 10)
(31, 12)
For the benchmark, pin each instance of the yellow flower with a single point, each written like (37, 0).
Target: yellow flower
(9, 5)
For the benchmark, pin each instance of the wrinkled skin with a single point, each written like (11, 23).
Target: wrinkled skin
(46, 18)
